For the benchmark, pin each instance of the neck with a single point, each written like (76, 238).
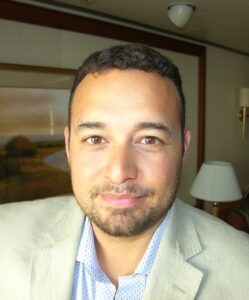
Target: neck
(119, 256)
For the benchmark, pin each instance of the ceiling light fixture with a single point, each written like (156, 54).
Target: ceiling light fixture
(180, 14)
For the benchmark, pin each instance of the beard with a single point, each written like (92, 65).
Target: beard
(122, 221)
(130, 221)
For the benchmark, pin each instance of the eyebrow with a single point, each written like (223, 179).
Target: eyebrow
(154, 125)
(91, 125)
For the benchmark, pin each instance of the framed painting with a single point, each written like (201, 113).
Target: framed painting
(33, 114)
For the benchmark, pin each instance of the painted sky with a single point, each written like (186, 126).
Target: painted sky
(28, 112)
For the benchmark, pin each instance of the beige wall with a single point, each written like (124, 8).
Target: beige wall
(226, 72)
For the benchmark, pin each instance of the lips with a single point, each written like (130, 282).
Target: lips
(121, 200)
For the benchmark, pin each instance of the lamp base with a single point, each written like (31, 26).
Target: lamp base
(215, 209)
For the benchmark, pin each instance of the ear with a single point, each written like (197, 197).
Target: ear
(67, 137)
(187, 138)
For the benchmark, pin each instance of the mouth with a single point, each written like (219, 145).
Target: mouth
(121, 201)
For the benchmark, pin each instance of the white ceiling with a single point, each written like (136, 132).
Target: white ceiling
(221, 22)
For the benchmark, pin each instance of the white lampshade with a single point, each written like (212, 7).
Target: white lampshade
(216, 182)
(179, 14)
(244, 97)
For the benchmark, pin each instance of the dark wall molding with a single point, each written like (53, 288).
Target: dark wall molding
(17, 11)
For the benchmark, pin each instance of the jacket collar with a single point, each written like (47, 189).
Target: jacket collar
(53, 257)
(172, 276)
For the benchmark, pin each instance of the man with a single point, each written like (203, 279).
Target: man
(125, 236)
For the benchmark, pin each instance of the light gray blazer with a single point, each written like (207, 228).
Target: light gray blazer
(199, 257)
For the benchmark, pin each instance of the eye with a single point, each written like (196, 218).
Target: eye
(150, 140)
(95, 140)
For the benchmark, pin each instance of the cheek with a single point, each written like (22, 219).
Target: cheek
(85, 167)
(162, 163)
(161, 172)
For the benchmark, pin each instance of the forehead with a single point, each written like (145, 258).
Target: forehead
(119, 92)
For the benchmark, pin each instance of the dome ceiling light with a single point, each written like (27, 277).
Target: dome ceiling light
(180, 14)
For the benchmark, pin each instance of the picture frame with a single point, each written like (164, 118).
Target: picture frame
(33, 114)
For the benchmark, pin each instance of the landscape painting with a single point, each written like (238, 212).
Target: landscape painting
(32, 157)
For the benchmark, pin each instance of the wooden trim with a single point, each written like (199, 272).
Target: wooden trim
(201, 117)
(45, 17)
(201, 109)
(40, 69)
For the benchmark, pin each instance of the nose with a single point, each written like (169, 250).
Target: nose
(121, 165)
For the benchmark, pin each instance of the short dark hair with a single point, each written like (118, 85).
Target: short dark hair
(131, 57)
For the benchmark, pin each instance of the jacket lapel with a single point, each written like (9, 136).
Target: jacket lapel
(172, 276)
(53, 259)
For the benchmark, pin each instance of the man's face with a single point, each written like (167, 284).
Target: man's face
(125, 149)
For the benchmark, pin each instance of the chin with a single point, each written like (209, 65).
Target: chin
(126, 222)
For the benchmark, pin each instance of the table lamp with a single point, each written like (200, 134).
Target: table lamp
(216, 182)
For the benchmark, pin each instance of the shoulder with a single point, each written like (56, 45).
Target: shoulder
(224, 248)
(223, 255)
(29, 211)
(209, 228)
(20, 222)
(31, 227)
(36, 205)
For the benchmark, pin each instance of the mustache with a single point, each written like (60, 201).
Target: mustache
(130, 189)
